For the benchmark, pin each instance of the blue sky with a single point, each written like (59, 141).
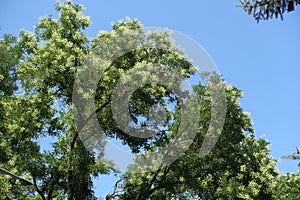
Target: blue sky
(260, 59)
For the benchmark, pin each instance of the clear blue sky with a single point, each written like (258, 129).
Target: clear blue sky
(260, 59)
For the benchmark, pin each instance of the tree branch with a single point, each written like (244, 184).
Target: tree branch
(24, 181)
(38, 190)
(72, 146)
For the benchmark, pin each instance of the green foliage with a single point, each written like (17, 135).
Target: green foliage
(239, 167)
(145, 97)
(37, 74)
(267, 9)
(46, 62)
(287, 186)
(9, 55)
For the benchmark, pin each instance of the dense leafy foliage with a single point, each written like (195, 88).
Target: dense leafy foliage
(239, 167)
(37, 73)
(267, 9)
(40, 110)
(287, 186)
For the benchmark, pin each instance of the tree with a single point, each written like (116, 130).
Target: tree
(9, 55)
(267, 9)
(239, 167)
(42, 108)
(39, 76)
(46, 69)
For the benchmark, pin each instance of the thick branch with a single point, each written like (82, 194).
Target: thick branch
(91, 115)
(72, 146)
(23, 181)
(38, 190)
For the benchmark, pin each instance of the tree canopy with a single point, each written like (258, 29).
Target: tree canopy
(38, 73)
